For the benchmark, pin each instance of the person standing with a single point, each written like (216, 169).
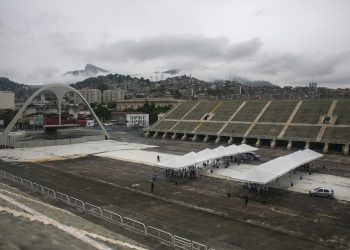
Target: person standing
(152, 186)
(246, 200)
(158, 158)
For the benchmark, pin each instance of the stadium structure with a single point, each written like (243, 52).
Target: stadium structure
(59, 133)
(323, 125)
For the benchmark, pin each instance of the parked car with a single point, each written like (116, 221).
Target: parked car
(322, 192)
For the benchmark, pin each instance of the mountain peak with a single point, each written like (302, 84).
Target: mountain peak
(90, 70)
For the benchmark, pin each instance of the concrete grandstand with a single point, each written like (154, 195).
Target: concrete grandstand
(323, 125)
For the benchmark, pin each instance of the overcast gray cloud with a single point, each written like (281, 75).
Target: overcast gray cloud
(185, 46)
(285, 42)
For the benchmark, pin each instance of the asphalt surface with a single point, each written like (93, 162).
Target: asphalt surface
(200, 209)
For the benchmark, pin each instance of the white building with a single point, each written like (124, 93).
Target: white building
(7, 100)
(91, 96)
(134, 119)
(130, 119)
(112, 95)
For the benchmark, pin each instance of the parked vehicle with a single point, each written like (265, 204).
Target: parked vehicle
(322, 192)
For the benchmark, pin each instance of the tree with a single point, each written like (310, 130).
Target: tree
(102, 112)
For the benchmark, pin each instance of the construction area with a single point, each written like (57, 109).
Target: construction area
(98, 194)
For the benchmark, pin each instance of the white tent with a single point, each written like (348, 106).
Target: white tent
(271, 170)
(193, 158)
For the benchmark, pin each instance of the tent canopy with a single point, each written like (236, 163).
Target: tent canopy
(193, 158)
(271, 170)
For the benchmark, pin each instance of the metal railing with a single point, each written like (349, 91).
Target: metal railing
(128, 223)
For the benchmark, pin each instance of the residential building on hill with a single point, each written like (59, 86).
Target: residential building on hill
(7, 100)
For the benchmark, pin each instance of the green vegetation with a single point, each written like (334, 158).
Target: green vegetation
(179, 112)
(208, 127)
(302, 131)
(165, 125)
(250, 111)
(236, 128)
(278, 111)
(342, 110)
(311, 111)
(102, 112)
(262, 129)
(186, 126)
(225, 111)
(200, 110)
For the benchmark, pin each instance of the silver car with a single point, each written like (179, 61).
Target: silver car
(322, 192)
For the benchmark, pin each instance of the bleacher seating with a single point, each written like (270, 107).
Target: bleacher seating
(181, 110)
(203, 108)
(314, 121)
(311, 111)
(225, 111)
(250, 111)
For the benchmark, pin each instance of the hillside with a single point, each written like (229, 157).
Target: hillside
(22, 91)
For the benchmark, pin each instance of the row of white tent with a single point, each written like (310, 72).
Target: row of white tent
(271, 170)
(192, 158)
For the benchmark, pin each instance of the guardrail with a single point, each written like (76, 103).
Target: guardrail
(128, 223)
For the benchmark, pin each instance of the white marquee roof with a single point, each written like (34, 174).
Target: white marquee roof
(271, 170)
(193, 158)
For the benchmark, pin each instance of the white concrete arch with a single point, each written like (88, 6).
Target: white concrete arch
(59, 90)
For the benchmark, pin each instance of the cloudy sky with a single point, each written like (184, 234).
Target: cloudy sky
(287, 42)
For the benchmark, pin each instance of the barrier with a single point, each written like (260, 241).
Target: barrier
(135, 225)
(27, 184)
(198, 246)
(9, 176)
(49, 192)
(38, 188)
(112, 216)
(18, 180)
(62, 197)
(93, 209)
(182, 243)
(76, 203)
(161, 235)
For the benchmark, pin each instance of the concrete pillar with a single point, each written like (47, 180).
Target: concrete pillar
(194, 138)
(273, 143)
(346, 149)
(184, 137)
(164, 136)
(290, 144)
(155, 134)
(147, 134)
(307, 145)
(218, 139)
(174, 136)
(206, 138)
(244, 140)
(230, 141)
(258, 143)
(325, 148)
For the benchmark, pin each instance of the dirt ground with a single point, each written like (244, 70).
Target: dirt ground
(200, 209)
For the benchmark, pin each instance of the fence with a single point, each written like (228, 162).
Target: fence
(128, 223)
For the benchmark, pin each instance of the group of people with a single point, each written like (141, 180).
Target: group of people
(185, 173)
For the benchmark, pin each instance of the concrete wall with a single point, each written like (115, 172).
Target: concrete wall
(44, 143)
